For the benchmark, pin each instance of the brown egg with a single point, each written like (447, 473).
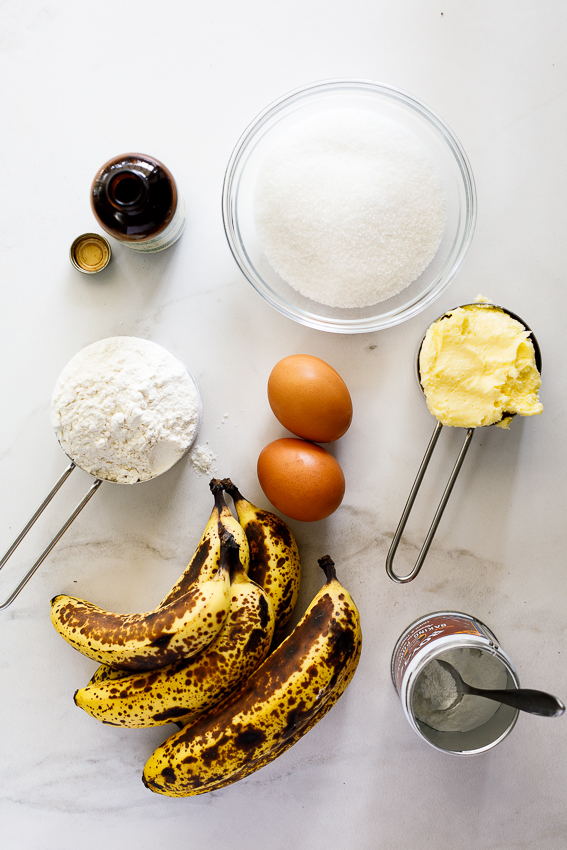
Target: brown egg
(301, 479)
(310, 398)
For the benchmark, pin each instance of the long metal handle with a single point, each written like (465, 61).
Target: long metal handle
(438, 514)
(94, 487)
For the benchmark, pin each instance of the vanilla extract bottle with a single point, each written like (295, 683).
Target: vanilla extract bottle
(135, 199)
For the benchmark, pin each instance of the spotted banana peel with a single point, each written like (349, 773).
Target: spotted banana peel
(202, 566)
(183, 691)
(285, 697)
(150, 640)
(274, 556)
(205, 562)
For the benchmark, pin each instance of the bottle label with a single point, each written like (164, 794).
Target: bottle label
(167, 237)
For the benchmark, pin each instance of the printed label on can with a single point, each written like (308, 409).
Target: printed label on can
(423, 633)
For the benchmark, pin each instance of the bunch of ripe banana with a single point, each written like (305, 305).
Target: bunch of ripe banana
(211, 630)
(202, 657)
(271, 710)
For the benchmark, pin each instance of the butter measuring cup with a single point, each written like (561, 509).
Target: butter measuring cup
(489, 384)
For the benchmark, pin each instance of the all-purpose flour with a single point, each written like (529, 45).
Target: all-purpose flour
(125, 409)
(349, 208)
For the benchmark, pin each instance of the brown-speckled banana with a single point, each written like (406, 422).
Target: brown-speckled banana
(205, 561)
(255, 764)
(104, 673)
(290, 692)
(274, 556)
(149, 640)
(181, 692)
(202, 566)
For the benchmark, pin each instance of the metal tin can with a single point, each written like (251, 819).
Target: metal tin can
(450, 634)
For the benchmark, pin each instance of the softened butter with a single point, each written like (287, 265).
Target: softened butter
(477, 367)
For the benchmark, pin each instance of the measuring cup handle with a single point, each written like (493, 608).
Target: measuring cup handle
(438, 513)
(55, 539)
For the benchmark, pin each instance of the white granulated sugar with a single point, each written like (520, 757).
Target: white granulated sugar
(125, 409)
(349, 208)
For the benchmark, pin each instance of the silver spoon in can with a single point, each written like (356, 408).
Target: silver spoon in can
(456, 468)
(523, 699)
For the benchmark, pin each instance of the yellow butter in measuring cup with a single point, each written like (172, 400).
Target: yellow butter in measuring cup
(477, 367)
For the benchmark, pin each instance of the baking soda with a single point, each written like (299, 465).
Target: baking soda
(349, 208)
(435, 691)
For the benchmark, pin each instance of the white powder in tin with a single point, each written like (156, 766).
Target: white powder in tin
(435, 690)
(125, 409)
(349, 208)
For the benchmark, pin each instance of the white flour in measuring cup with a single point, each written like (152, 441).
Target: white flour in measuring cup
(125, 409)
(349, 208)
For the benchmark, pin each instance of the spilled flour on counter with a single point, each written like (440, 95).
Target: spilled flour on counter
(125, 409)
(202, 458)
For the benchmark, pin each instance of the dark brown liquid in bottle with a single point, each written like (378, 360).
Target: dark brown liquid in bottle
(134, 197)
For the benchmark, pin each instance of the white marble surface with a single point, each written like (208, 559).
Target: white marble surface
(82, 82)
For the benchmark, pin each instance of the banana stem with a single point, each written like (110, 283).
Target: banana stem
(231, 489)
(229, 554)
(328, 566)
(217, 490)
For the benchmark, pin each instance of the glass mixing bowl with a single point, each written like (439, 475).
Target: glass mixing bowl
(433, 133)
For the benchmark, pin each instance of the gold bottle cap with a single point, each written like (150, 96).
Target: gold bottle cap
(90, 253)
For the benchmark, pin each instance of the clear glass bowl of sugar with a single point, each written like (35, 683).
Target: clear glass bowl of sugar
(345, 192)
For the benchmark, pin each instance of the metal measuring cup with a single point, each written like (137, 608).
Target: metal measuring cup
(427, 457)
(98, 480)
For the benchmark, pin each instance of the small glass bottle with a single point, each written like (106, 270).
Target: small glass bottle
(135, 199)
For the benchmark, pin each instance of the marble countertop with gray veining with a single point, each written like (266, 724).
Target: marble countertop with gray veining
(181, 81)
